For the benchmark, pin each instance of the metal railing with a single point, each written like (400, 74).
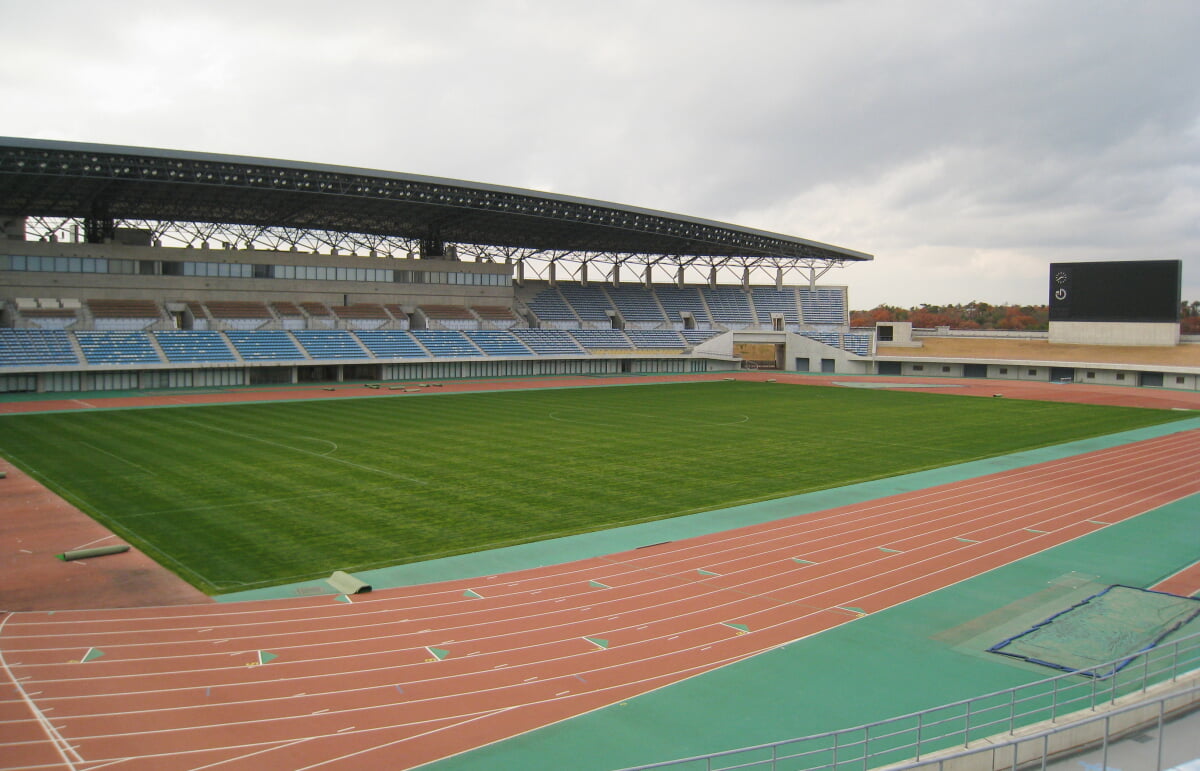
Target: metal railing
(1093, 737)
(909, 738)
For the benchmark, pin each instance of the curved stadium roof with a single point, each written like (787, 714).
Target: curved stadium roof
(43, 178)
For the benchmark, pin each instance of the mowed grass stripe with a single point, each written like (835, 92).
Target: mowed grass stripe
(240, 496)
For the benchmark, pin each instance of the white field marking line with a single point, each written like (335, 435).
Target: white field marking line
(737, 587)
(137, 466)
(668, 634)
(809, 525)
(1004, 564)
(326, 441)
(1179, 572)
(964, 489)
(890, 505)
(742, 586)
(480, 716)
(902, 534)
(797, 601)
(276, 744)
(80, 503)
(266, 746)
(1072, 515)
(898, 534)
(98, 540)
(815, 611)
(306, 452)
(85, 404)
(61, 745)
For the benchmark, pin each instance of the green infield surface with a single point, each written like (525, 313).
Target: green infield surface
(236, 497)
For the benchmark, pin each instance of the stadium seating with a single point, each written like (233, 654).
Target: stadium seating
(390, 344)
(601, 338)
(588, 302)
(697, 336)
(678, 301)
(636, 304)
(828, 338)
(549, 342)
(823, 306)
(264, 345)
(497, 343)
(126, 315)
(329, 344)
(858, 344)
(769, 300)
(655, 338)
(728, 305)
(445, 344)
(548, 305)
(35, 347)
(182, 346)
(450, 316)
(113, 347)
(496, 315)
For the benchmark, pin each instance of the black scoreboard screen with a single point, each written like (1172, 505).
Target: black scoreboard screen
(1135, 290)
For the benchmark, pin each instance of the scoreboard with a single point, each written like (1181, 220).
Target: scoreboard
(1129, 291)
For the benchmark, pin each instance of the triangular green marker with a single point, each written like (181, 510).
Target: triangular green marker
(92, 654)
(472, 595)
(741, 628)
(342, 598)
(852, 609)
(597, 641)
(966, 540)
(598, 585)
(803, 562)
(266, 656)
(707, 573)
(438, 653)
(889, 551)
(1031, 530)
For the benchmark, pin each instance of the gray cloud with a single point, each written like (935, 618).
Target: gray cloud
(966, 144)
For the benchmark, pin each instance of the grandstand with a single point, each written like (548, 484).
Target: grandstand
(521, 266)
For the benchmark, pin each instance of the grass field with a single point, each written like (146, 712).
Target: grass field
(241, 496)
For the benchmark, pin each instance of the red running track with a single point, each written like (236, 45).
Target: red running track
(402, 677)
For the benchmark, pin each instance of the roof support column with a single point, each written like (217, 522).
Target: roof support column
(712, 277)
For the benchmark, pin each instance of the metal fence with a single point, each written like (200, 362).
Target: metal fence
(909, 738)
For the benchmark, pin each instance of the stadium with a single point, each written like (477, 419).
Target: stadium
(420, 472)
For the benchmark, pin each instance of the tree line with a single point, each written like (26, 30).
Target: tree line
(981, 315)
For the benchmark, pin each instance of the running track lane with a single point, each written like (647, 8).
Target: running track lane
(402, 677)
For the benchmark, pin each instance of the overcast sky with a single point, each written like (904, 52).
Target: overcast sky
(965, 144)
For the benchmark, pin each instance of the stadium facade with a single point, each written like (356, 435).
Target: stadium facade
(125, 268)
